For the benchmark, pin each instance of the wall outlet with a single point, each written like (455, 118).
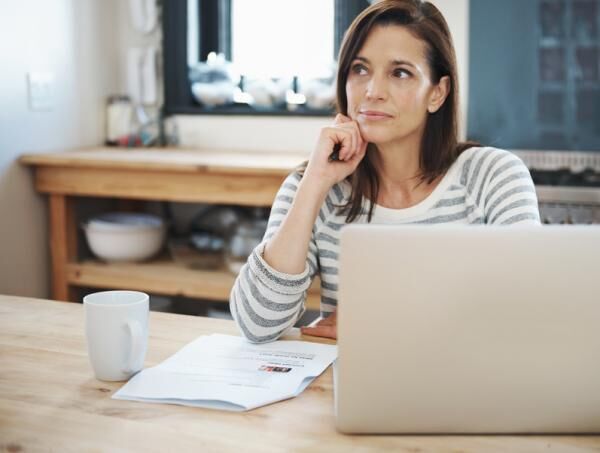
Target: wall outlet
(41, 91)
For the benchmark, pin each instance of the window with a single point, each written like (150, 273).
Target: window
(286, 41)
(253, 56)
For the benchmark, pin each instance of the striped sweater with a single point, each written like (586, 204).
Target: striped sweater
(483, 186)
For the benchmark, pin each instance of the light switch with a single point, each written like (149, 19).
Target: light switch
(41, 90)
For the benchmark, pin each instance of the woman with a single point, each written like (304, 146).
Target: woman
(399, 162)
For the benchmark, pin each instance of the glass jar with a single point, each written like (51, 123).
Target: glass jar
(119, 118)
(246, 236)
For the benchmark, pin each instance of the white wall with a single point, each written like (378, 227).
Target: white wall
(76, 40)
(456, 13)
(299, 133)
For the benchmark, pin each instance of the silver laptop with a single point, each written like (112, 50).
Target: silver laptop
(468, 329)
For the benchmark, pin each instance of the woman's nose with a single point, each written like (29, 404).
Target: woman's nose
(376, 89)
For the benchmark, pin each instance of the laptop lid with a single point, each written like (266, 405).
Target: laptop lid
(468, 329)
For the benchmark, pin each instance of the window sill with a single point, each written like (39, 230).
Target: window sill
(247, 110)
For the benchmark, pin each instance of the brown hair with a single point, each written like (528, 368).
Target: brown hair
(439, 146)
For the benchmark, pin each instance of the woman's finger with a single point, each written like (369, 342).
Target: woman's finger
(356, 139)
(341, 119)
(342, 137)
(352, 149)
(320, 331)
(329, 320)
(360, 141)
(361, 153)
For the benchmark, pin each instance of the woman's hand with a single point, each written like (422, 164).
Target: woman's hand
(352, 148)
(324, 328)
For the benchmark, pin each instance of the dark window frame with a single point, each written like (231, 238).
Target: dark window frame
(178, 98)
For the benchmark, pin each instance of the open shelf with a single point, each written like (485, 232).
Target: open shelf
(164, 276)
(241, 177)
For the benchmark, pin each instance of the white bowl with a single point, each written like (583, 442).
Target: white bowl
(125, 236)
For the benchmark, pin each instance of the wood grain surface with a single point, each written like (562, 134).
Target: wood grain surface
(177, 159)
(50, 400)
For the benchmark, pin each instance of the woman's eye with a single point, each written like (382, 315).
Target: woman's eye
(359, 69)
(402, 73)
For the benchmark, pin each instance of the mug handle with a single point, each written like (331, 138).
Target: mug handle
(135, 332)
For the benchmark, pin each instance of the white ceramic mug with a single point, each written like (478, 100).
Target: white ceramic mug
(116, 329)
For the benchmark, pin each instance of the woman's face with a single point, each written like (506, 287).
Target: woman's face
(388, 88)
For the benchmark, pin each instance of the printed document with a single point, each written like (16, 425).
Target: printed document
(227, 372)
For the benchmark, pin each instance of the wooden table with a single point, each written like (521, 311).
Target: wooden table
(177, 175)
(50, 401)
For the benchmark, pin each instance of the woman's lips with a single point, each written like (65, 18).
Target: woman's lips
(374, 115)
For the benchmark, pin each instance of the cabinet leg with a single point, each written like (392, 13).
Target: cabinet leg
(63, 245)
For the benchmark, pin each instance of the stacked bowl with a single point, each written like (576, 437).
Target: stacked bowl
(124, 236)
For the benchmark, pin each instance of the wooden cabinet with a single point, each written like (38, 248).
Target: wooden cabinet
(242, 178)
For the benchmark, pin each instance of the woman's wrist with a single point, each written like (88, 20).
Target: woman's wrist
(318, 186)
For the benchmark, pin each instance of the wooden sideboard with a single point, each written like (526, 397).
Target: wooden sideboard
(177, 175)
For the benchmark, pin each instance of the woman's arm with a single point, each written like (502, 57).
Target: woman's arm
(286, 251)
(266, 301)
(268, 296)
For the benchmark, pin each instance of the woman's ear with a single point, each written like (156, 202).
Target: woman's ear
(439, 94)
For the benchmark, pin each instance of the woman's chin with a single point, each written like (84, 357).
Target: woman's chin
(375, 132)
(374, 137)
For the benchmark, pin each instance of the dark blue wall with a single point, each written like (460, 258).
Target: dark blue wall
(504, 82)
